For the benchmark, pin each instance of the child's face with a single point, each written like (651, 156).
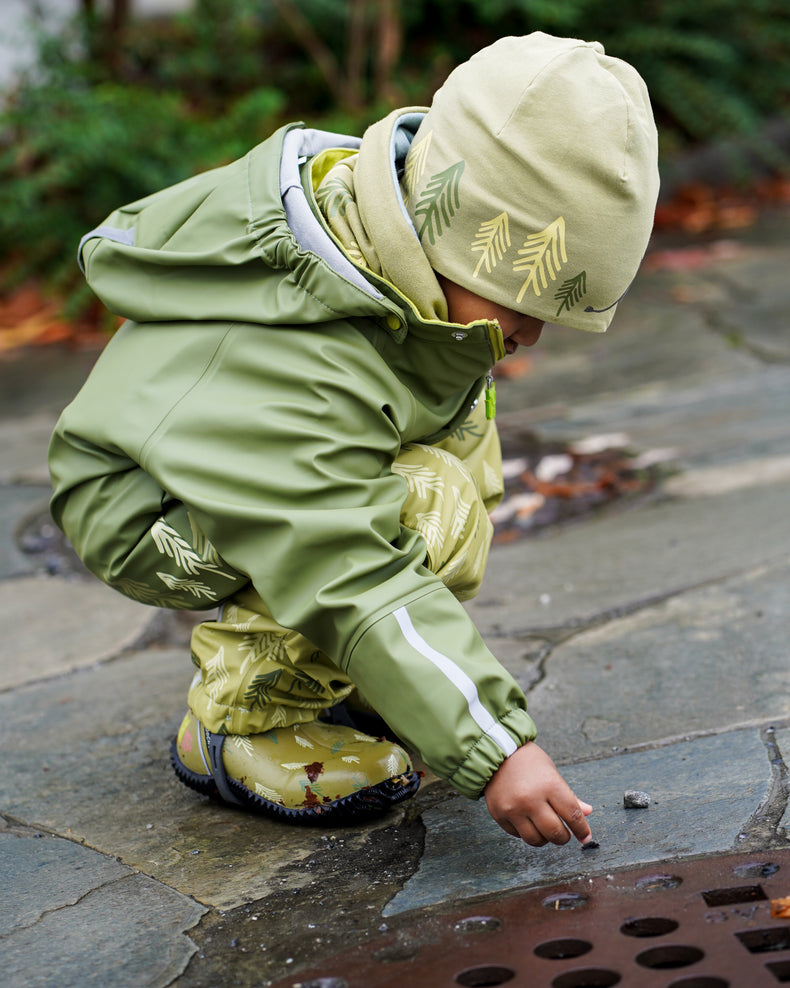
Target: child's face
(464, 307)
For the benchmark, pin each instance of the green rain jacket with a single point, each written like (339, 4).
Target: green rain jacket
(268, 383)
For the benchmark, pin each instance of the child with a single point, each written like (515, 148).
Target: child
(288, 423)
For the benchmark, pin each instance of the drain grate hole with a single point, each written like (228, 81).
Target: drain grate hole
(594, 977)
(484, 976)
(558, 950)
(700, 982)
(780, 970)
(649, 883)
(731, 896)
(565, 900)
(762, 941)
(648, 926)
(669, 956)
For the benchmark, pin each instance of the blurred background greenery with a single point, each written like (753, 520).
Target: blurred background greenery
(116, 106)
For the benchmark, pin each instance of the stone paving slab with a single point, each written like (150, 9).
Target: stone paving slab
(782, 739)
(43, 873)
(703, 794)
(17, 503)
(707, 660)
(52, 626)
(126, 932)
(23, 449)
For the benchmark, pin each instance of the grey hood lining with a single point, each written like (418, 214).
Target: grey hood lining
(299, 145)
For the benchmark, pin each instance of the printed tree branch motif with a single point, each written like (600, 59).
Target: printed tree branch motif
(169, 543)
(267, 645)
(468, 428)
(258, 693)
(244, 743)
(268, 793)
(333, 196)
(194, 587)
(310, 684)
(449, 459)
(542, 256)
(420, 480)
(493, 482)
(461, 515)
(415, 162)
(439, 201)
(147, 595)
(216, 673)
(571, 292)
(493, 240)
(429, 525)
(447, 573)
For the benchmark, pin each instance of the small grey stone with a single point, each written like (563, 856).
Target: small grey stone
(634, 799)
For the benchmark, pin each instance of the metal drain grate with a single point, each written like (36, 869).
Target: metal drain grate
(691, 924)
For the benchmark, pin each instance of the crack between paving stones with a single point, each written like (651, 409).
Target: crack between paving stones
(555, 635)
(762, 829)
(66, 905)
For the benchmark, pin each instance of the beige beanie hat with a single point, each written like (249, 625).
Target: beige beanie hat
(532, 181)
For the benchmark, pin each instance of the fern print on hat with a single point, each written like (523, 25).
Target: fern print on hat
(533, 179)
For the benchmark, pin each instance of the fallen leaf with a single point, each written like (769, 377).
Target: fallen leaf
(780, 908)
(519, 365)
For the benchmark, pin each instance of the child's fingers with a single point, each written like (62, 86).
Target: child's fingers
(574, 813)
(531, 834)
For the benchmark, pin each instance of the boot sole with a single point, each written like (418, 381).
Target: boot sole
(368, 802)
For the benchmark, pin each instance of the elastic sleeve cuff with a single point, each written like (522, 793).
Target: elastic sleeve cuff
(472, 776)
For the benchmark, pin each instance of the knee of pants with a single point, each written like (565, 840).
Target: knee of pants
(136, 539)
(445, 506)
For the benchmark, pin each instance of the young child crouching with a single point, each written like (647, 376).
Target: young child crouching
(295, 423)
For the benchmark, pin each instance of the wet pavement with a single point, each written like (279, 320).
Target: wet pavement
(651, 637)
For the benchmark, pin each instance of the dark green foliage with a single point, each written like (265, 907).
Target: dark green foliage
(75, 144)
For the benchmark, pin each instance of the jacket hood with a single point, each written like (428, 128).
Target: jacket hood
(238, 243)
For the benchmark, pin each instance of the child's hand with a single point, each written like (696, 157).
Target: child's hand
(529, 799)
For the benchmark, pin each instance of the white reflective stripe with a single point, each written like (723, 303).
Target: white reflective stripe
(459, 679)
